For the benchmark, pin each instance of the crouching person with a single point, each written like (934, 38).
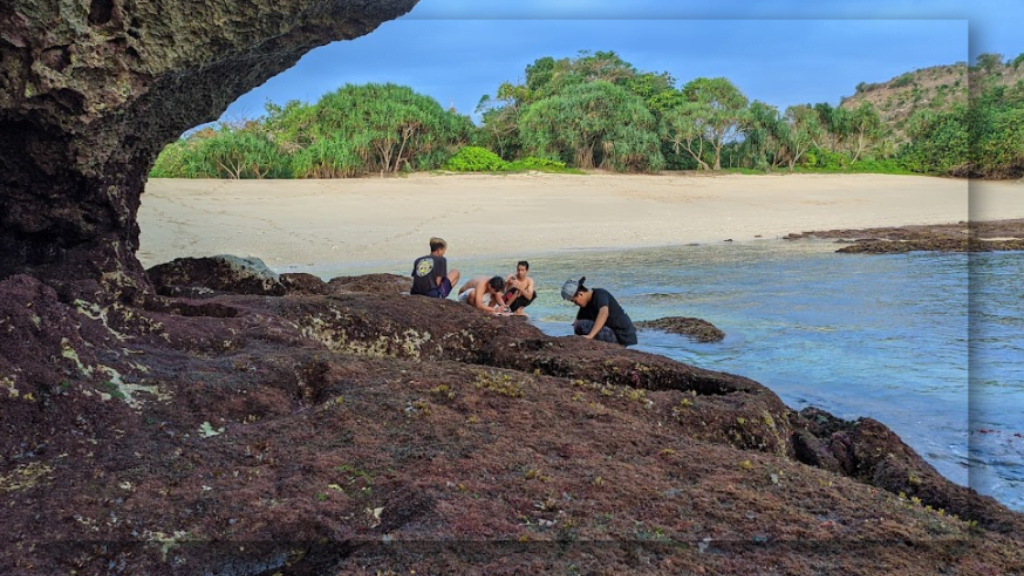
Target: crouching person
(600, 316)
(484, 294)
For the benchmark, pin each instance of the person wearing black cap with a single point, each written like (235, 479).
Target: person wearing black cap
(600, 316)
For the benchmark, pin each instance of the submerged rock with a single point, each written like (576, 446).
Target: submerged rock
(998, 235)
(932, 245)
(699, 330)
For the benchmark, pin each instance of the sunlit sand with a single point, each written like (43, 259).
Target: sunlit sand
(292, 224)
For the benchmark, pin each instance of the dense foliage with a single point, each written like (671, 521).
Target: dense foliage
(598, 111)
(477, 159)
(356, 130)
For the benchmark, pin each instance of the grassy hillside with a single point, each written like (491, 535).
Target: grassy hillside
(937, 88)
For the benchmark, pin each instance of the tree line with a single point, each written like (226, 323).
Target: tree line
(598, 111)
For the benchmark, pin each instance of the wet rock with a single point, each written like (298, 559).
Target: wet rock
(371, 429)
(699, 330)
(931, 245)
(998, 235)
(215, 274)
(869, 451)
(371, 284)
(302, 283)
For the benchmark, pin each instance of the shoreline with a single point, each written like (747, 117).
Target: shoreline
(300, 224)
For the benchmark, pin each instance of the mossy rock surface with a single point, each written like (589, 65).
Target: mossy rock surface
(699, 330)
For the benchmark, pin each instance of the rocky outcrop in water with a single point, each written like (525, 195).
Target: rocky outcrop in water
(998, 235)
(876, 246)
(91, 91)
(699, 330)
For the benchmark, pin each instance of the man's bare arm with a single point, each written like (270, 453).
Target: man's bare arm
(602, 317)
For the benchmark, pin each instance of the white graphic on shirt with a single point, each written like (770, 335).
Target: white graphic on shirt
(424, 266)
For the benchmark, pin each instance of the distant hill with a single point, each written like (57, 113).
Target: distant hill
(936, 88)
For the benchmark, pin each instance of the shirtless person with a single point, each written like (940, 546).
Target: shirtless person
(519, 292)
(484, 294)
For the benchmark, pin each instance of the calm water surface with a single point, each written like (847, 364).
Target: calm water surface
(929, 344)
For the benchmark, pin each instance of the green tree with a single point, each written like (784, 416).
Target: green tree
(940, 142)
(865, 128)
(547, 77)
(683, 126)
(386, 126)
(500, 115)
(997, 128)
(723, 108)
(764, 135)
(242, 151)
(989, 61)
(593, 124)
(804, 130)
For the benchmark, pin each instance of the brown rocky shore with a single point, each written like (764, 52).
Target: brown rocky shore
(282, 424)
(997, 235)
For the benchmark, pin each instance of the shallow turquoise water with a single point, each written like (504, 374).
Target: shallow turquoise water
(889, 337)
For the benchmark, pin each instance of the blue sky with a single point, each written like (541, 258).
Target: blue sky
(780, 52)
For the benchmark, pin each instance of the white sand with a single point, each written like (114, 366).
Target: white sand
(296, 224)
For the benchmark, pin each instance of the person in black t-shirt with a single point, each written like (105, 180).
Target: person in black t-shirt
(430, 275)
(600, 316)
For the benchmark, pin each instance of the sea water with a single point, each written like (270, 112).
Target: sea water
(930, 344)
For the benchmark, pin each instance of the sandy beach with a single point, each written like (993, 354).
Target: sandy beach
(297, 224)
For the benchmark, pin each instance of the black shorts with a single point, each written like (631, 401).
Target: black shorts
(515, 301)
(441, 291)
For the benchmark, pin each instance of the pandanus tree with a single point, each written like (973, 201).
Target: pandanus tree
(593, 124)
(683, 126)
(371, 128)
(500, 114)
(866, 129)
(550, 78)
(721, 109)
(803, 130)
(764, 136)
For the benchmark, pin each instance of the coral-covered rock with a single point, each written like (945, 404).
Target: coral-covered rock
(961, 237)
(215, 274)
(699, 330)
(302, 283)
(370, 283)
(313, 434)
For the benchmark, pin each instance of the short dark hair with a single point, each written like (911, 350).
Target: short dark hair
(437, 243)
(496, 283)
(523, 263)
